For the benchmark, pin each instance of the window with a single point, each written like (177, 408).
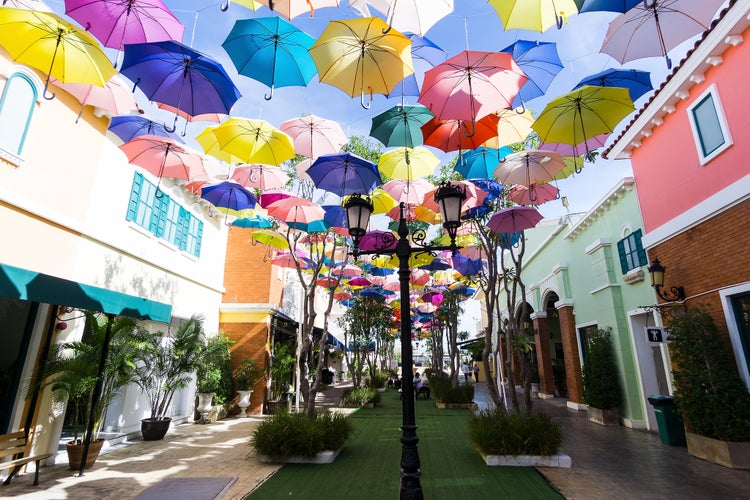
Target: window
(584, 332)
(17, 104)
(630, 249)
(153, 210)
(709, 126)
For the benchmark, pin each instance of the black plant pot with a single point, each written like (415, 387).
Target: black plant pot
(155, 429)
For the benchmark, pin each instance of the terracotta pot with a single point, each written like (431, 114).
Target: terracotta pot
(154, 429)
(75, 454)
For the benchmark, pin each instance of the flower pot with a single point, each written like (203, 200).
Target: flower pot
(603, 417)
(735, 455)
(154, 429)
(244, 402)
(75, 454)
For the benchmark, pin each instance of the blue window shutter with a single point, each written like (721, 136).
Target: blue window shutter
(135, 196)
(198, 239)
(642, 258)
(159, 213)
(623, 256)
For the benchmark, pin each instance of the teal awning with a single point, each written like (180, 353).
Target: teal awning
(23, 284)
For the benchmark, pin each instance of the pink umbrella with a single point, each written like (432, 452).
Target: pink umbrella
(419, 277)
(270, 197)
(514, 219)
(296, 211)
(115, 97)
(164, 157)
(342, 295)
(287, 260)
(575, 150)
(205, 117)
(472, 85)
(261, 177)
(359, 281)
(529, 167)
(126, 21)
(314, 136)
(409, 192)
(535, 194)
(393, 286)
(432, 297)
(346, 271)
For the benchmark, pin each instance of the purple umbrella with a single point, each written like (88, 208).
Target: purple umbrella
(378, 240)
(116, 23)
(129, 127)
(466, 266)
(514, 219)
(344, 174)
(174, 74)
(229, 194)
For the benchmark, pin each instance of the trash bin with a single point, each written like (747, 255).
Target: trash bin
(671, 430)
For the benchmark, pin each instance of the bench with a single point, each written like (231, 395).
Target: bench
(14, 446)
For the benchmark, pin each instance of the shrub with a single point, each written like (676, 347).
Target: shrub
(601, 382)
(355, 398)
(378, 380)
(445, 392)
(287, 434)
(497, 432)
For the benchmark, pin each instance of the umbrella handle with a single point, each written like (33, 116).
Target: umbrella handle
(473, 129)
(225, 6)
(669, 61)
(362, 100)
(559, 20)
(646, 5)
(174, 126)
(520, 109)
(268, 97)
(46, 88)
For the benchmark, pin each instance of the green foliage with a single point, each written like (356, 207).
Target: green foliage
(213, 369)
(364, 147)
(496, 432)
(378, 380)
(287, 434)
(475, 349)
(601, 382)
(281, 369)
(444, 392)
(709, 393)
(247, 374)
(356, 398)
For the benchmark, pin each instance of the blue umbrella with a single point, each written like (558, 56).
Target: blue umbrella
(335, 216)
(491, 186)
(174, 74)
(466, 266)
(272, 51)
(257, 222)
(344, 174)
(128, 127)
(316, 226)
(508, 240)
(422, 49)
(637, 82)
(436, 264)
(380, 271)
(371, 292)
(229, 194)
(621, 6)
(480, 163)
(539, 62)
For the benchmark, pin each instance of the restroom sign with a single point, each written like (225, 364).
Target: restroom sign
(656, 334)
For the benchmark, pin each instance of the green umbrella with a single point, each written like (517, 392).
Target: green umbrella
(400, 125)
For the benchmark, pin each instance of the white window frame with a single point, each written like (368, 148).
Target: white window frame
(36, 84)
(713, 92)
(734, 333)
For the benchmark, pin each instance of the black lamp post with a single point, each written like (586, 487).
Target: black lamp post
(676, 293)
(358, 211)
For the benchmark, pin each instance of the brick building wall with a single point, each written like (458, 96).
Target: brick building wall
(248, 277)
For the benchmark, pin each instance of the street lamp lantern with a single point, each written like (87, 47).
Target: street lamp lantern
(358, 210)
(675, 293)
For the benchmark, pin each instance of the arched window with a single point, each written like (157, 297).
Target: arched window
(17, 104)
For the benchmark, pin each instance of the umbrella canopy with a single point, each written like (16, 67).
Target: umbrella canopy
(514, 219)
(131, 126)
(126, 21)
(535, 194)
(271, 51)
(466, 266)
(654, 28)
(255, 222)
(270, 238)
(229, 194)
(400, 125)
(164, 157)
(456, 135)
(361, 56)
(539, 62)
(294, 8)
(472, 85)
(511, 127)
(415, 16)
(381, 200)
(254, 141)
(474, 196)
(581, 114)
(637, 82)
(480, 163)
(273, 196)
(408, 192)
(313, 136)
(172, 73)
(115, 97)
(296, 212)
(608, 5)
(408, 163)
(378, 240)
(422, 49)
(344, 173)
(260, 176)
(529, 167)
(534, 15)
(55, 47)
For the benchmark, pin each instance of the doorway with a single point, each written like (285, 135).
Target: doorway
(652, 362)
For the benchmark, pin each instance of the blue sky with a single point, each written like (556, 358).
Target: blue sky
(475, 21)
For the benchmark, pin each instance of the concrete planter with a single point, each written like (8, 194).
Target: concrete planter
(727, 453)
(603, 417)
(324, 457)
(559, 460)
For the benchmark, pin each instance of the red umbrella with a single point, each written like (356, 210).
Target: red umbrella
(535, 194)
(456, 135)
(164, 157)
(514, 219)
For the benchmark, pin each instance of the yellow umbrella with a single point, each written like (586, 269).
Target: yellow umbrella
(511, 127)
(270, 238)
(50, 44)
(535, 15)
(362, 56)
(250, 4)
(254, 141)
(408, 163)
(210, 145)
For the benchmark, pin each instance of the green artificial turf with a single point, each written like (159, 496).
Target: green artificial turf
(369, 465)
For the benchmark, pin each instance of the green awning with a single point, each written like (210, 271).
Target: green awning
(23, 284)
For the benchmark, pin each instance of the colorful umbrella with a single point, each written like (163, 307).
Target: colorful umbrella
(474, 196)
(408, 192)
(408, 163)
(512, 127)
(653, 28)
(116, 23)
(131, 126)
(514, 219)
(55, 47)
(535, 194)
(637, 82)
(422, 49)
(174, 74)
(294, 8)
(534, 15)
(581, 114)
(378, 240)
(250, 4)
(313, 136)
(466, 266)
(271, 51)
(115, 97)
(255, 222)
(273, 196)
(254, 141)
(415, 16)
(164, 157)
(400, 125)
(229, 194)
(270, 238)
(456, 135)
(472, 85)
(210, 145)
(260, 176)
(344, 173)
(481, 162)
(608, 6)
(296, 212)
(529, 167)
(361, 56)
(539, 62)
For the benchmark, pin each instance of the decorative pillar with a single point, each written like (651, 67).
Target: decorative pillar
(570, 351)
(543, 357)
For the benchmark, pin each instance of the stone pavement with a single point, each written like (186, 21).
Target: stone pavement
(618, 462)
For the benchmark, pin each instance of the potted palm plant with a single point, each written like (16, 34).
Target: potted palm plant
(165, 365)
(214, 377)
(245, 376)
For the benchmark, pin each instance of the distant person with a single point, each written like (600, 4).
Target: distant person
(476, 372)
(466, 371)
